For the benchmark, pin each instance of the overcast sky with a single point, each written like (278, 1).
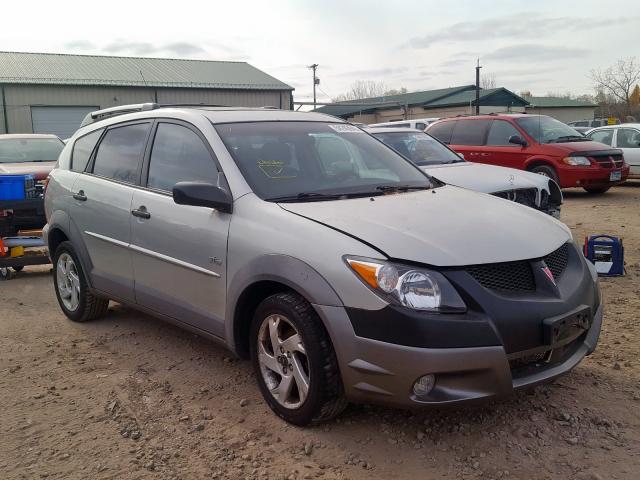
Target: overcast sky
(542, 46)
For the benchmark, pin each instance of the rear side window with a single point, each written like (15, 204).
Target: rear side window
(628, 138)
(82, 150)
(500, 132)
(469, 132)
(179, 155)
(120, 152)
(442, 131)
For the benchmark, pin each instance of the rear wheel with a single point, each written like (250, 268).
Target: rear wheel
(546, 171)
(596, 190)
(294, 361)
(75, 298)
(18, 268)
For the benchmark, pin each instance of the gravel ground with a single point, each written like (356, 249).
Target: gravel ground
(130, 397)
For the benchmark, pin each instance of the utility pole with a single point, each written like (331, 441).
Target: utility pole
(478, 67)
(316, 81)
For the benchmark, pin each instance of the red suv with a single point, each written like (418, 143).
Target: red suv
(536, 143)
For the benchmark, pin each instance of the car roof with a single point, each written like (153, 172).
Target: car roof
(214, 114)
(502, 116)
(392, 130)
(8, 136)
(620, 125)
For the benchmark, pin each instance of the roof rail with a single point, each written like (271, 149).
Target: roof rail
(144, 107)
(119, 110)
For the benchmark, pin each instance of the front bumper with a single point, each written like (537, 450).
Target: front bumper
(379, 372)
(594, 176)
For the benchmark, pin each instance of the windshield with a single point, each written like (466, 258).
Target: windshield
(549, 130)
(304, 161)
(23, 150)
(420, 148)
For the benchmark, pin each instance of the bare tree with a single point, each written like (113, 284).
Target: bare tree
(363, 89)
(618, 80)
(395, 91)
(488, 81)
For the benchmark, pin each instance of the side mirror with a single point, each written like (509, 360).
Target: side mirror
(201, 194)
(517, 140)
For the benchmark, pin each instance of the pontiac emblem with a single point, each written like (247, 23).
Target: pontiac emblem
(549, 274)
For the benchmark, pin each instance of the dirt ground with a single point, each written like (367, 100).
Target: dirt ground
(130, 397)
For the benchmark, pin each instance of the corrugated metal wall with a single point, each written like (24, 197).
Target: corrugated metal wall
(20, 99)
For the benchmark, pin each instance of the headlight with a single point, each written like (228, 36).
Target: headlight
(415, 288)
(577, 161)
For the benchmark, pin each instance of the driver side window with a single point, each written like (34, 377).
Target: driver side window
(602, 136)
(500, 132)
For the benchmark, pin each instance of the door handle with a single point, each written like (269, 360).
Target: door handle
(80, 196)
(141, 212)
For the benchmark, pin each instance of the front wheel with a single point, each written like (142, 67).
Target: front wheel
(596, 190)
(546, 171)
(294, 361)
(74, 296)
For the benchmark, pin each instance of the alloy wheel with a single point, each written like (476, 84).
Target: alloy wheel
(283, 361)
(68, 282)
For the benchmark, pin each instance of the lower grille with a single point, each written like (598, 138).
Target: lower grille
(507, 277)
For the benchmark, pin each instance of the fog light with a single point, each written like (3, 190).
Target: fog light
(424, 385)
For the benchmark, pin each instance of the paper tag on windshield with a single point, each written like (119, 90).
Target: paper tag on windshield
(344, 128)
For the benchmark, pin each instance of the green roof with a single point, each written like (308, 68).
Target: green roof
(63, 69)
(557, 102)
(444, 97)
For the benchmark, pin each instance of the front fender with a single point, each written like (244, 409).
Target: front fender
(284, 269)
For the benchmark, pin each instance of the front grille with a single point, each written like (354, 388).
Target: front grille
(518, 276)
(557, 261)
(524, 196)
(506, 277)
(609, 161)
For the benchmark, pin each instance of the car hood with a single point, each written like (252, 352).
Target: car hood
(570, 147)
(40, 170)
(446, 226)
(486, 178)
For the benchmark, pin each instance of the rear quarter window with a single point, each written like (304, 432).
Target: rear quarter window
(442, 131)
(82, 149)
(469, 132)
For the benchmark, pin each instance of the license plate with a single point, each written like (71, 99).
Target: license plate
(566, 327)
(615, 176)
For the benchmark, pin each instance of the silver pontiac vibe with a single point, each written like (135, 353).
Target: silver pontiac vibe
(342, 270)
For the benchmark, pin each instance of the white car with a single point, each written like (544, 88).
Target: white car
(415, 123)
(444, 164)
(626, 137)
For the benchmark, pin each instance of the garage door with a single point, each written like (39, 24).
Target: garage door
(61, 121)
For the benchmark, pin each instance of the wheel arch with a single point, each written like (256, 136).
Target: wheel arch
(266, 276)
(61, 228)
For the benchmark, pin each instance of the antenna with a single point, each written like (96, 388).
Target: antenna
(154, 98)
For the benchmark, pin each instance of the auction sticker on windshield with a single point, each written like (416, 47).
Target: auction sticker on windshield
(344, 128)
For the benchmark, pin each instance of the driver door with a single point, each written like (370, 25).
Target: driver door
(179, 251)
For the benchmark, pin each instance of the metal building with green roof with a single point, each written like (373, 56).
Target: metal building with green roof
(444, 102)
(51, 93)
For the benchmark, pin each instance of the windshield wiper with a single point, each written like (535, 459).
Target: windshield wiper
(569, 138)
(306, 196)
(400, 188)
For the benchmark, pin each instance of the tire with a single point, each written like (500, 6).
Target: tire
(89, 306)
(5, 273)
(596, 190)
(292, 314)
(19, 268)
(547, 171)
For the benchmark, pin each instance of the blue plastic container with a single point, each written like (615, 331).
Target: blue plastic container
(14, 187)
(606, 252)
